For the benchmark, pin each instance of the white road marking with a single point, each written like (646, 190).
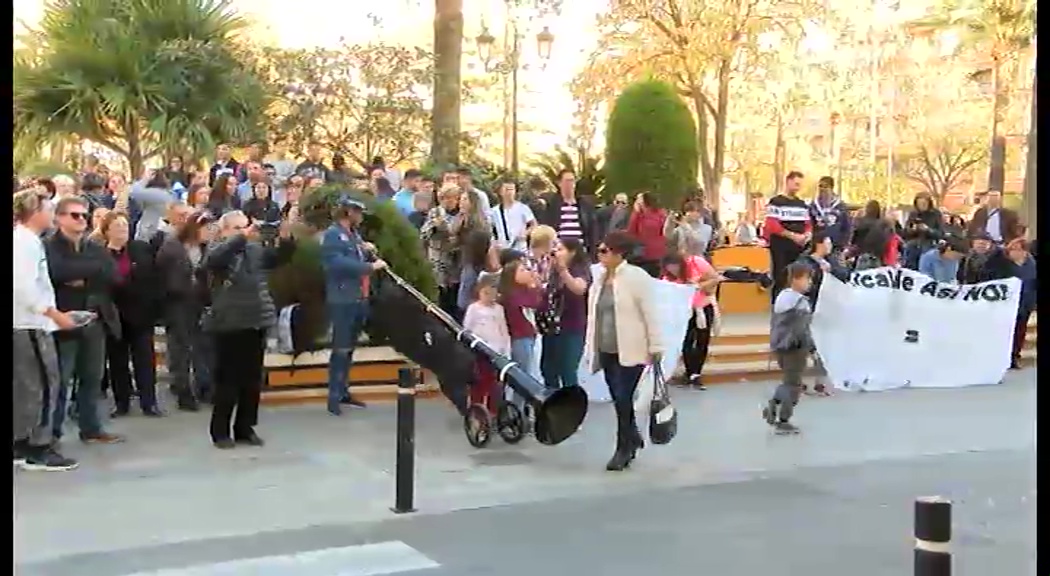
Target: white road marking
(380, 559)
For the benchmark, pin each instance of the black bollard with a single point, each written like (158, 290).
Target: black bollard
(933, 535)
(405, 464)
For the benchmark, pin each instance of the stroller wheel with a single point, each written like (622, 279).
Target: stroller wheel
(477, 424)
(510, 424)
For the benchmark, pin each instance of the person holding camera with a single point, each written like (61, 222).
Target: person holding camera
(923, 229)
(241, 312)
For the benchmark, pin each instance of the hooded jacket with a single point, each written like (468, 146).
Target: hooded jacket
(832, 218)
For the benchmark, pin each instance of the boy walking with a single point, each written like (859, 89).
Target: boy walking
(791, 342)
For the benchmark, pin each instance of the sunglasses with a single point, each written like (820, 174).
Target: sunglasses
(604, 250)
(76, 215)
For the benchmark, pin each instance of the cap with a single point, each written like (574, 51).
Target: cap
(348, 203)
(981, 235)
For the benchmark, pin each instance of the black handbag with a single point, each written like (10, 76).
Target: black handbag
(663, 418)
(548, 317)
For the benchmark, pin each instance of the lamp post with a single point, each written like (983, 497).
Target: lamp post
(510, 66)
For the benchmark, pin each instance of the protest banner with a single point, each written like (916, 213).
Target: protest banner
(893, 328)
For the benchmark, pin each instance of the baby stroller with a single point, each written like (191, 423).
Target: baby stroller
(488, 406)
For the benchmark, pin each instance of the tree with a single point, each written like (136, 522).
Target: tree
(700, 47)
(939, 166)
(590, 175)
(360, 100)
(941, 126)
(1031, 191)
(651, 143)
(138, 77)
(301, 280)
(448, 62)
(1003, 30)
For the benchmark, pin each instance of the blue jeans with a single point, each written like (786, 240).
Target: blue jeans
(522, 351)
(622, 382)
(348, 318)
(560, 360)
(81, 358)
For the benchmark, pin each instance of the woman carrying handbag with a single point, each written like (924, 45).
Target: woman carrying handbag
(622, 336)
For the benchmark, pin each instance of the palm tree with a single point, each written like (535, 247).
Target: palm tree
(590, 177)
(138, 77)
(1003, 29)
(448, 57)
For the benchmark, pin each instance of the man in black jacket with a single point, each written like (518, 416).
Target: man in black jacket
(241, 311)
(569, 215)
(224, 164)
(985, 262)
(82, 274)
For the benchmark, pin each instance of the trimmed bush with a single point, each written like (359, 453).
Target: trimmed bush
(302, 279)
(651, 144)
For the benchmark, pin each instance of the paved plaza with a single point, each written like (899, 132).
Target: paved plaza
(726, 497)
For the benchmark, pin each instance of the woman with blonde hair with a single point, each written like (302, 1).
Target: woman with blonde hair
(542, 241)
(441, 244)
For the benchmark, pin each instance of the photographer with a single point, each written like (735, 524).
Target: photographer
(241, 312)
(922, 230)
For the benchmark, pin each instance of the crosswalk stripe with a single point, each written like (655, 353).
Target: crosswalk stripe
(379, 559)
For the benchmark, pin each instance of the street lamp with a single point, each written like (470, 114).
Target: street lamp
(544, 42)
(510, 66)
(485, 40)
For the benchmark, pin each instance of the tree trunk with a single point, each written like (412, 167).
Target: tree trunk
(997, 158)
(1031, 161)
(779, 157)
(721, 119)
(448, 56)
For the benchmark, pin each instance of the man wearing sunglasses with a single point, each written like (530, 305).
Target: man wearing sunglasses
(82, 273)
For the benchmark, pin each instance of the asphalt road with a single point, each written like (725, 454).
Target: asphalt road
(731, 501)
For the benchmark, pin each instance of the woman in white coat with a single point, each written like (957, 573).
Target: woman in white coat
(622, 336)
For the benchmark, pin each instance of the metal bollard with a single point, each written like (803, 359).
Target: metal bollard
(933, 535)
(404, 465)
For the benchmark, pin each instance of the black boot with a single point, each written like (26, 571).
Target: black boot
(621, 459)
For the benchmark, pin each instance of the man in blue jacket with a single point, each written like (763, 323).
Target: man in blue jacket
(347, 270)
(830, 215)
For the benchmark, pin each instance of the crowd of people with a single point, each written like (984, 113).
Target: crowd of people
(100, 261)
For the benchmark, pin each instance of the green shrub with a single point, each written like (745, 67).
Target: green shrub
(302, 279)
(651, 144)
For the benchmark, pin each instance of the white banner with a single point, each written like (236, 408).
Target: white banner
(894, 328)
(673, 310)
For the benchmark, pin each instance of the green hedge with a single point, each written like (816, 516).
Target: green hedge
(651, 144)
(302, 279)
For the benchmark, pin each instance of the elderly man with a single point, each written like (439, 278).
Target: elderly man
(241, 312)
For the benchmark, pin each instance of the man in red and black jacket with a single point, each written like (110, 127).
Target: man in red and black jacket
(788, 228)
